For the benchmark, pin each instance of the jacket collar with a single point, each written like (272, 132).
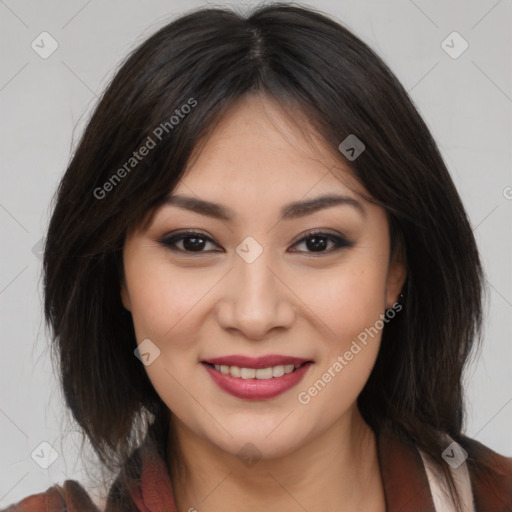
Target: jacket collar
(406, 485)
(405, 480)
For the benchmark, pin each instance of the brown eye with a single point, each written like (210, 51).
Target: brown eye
(195, 242)
(317, 242)
(192, 242)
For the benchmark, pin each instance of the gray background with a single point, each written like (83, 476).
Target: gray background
(44, 103)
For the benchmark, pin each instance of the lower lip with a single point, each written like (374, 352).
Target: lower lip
(257, 389)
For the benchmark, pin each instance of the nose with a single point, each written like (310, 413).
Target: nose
(255, 299)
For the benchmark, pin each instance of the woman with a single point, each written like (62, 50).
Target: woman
(261, 282)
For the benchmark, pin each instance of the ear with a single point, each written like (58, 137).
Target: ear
(397, 273)
(125, 296)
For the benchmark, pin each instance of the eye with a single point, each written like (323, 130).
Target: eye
(191, 241)
(195, 242)
(318, 241)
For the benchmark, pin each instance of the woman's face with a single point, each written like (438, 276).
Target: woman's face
(250, 283)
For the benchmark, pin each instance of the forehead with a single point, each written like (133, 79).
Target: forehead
(256, 147)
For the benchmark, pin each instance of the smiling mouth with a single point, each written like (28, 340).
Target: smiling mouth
(261, 383)
(270, 372)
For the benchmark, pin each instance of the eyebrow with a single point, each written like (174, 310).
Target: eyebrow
(290, 211)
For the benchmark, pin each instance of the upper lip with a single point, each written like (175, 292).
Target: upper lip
(256, 362)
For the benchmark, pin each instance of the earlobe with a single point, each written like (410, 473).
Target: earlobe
(397, 275)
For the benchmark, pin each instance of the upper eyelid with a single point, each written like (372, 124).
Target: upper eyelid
(323, 232)
(312, 231)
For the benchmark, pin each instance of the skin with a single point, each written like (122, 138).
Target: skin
(291, 300)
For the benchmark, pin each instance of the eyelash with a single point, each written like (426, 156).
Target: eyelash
(339, 242)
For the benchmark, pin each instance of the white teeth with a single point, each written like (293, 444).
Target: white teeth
(278, 371)
(264, 373)
(247, 373)
(260, 373)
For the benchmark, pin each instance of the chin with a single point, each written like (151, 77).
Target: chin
(258, 442)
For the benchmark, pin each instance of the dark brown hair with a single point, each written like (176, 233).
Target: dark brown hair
(313, 66)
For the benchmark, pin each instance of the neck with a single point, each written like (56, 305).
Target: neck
(338, 471)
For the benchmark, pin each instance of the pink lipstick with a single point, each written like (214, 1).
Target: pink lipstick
(256, 378)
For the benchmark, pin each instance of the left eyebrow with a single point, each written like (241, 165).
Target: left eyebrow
(303, 208)
(290, 211)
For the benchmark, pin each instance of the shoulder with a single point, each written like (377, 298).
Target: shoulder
(70, 496)
(491, 476)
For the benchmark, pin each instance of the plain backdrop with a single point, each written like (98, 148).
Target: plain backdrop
(44, 103)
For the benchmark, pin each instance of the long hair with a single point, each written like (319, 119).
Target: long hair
(167, 95)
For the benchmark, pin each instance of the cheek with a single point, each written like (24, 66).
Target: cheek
(351, 308)
(349, 302)
(162, 297)
(162, 303)
(346, 299)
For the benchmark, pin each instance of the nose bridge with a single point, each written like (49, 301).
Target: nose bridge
(258, 302)
(256, 287)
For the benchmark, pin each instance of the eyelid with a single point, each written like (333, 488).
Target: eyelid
(340, 241)
(169, 240)
(326, 232)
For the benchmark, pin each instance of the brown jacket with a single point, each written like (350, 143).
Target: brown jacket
(406, 483)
